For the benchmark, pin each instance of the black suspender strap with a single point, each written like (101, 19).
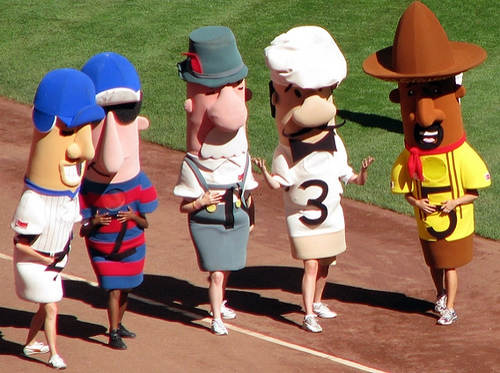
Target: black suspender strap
(229, 188)
(197, 173)
(114, 255)
(58, 258)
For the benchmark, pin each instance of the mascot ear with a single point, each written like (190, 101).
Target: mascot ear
(394, 96)
(188, 105)
(460, 91)
(143, 123)
(248, 94)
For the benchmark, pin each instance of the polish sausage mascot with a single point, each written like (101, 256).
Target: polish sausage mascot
(438, 172)
(116, 195)
(216, 177)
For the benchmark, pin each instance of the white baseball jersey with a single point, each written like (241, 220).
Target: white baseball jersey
(49, 217)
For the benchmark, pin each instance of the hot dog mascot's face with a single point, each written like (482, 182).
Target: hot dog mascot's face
(216, 94)
(64, 109)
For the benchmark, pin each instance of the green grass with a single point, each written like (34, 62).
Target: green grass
(39, 36)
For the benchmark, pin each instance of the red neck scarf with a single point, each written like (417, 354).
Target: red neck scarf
(414, 162)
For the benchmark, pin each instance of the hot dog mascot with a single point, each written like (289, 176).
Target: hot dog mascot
(438, 172)
(64, 109)
(310, 161)
(116, 195)
(216, 177)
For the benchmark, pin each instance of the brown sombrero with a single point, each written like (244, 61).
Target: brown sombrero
(422, 51)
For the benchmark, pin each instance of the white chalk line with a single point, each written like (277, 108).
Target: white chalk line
(238, 329)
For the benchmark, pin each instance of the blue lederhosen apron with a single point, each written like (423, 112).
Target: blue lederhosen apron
(220, 233)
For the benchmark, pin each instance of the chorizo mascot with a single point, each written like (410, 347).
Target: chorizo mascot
(438, 172)
(116, 195)
(310, 161)
(64, 109)
(216, 177)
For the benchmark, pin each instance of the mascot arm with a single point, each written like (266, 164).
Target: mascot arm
(475, 175)
(281, 171)
(23, 244)
(401, 183)
(29, 216)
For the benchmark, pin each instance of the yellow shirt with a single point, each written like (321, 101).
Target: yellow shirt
(446, 176)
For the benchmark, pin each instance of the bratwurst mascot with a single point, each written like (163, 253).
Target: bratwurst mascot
(116, 195)
(216, 175)
(438, 171)
(310, 161)
(64, 109)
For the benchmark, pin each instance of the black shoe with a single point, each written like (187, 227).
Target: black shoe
(115, 341)
(124, 333)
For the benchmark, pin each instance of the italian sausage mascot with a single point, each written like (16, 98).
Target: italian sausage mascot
(215, 177)
(116, 195)
(64, 109)
(438, 171)
(310, 162)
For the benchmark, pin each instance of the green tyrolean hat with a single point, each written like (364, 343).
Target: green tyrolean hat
(213, 59)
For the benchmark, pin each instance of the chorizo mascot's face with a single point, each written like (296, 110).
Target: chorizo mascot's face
(64, 109)
(431, 113)
(216, 94)
(424, 63)
(116, 139)
(306, 65)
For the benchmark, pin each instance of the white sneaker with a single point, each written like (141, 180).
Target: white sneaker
(311, 324)
(225, 312)
(218, 327)
(440, 305)
(448, 317)
(323, 311)
(56, 362)
(35, 348)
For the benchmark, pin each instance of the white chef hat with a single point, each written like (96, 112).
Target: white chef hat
(306, 56)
